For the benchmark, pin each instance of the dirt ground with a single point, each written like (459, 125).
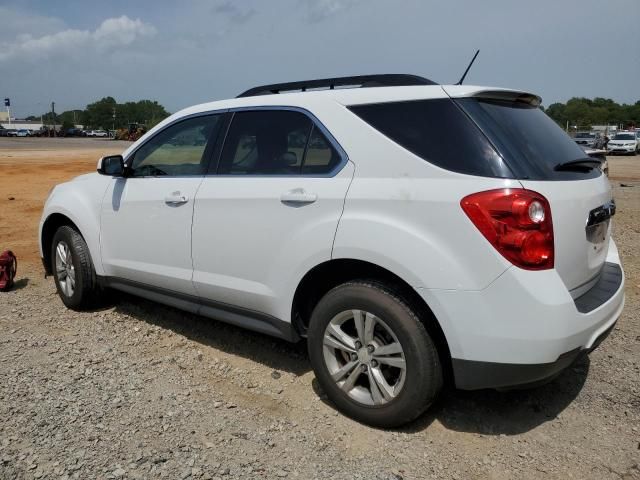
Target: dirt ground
(138, 390)
(29, 168)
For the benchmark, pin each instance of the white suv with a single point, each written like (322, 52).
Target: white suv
(413, 233)
(97, 133)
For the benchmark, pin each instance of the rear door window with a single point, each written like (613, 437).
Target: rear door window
(265, 143)
(439, 132)
(276, 142)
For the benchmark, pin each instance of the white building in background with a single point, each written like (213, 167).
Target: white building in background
(23, 124)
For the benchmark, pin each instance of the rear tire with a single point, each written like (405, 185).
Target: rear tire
(372, 355)
(73, 271)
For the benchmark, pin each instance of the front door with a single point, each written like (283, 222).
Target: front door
(145, 234)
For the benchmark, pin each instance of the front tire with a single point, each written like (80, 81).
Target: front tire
(372, 355)
(73, 271)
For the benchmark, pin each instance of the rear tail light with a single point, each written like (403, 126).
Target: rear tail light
(516, 222)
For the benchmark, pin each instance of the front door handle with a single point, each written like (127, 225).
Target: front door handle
(176, 198)
(298, 195)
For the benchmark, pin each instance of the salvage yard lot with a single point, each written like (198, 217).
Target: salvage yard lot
(137, 390)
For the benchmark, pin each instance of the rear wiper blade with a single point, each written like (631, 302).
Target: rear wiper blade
(579, 164)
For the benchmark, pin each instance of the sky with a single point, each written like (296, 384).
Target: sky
(186, 52)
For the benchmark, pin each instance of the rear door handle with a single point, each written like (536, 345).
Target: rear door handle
(176, 198)
(298, 195)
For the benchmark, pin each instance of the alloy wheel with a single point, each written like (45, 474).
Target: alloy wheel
(364, 357)
(65, 271)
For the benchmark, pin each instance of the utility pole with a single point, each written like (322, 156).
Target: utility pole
(114, 123)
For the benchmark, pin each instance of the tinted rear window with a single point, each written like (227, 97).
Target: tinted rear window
(530, 142)
(438, 132)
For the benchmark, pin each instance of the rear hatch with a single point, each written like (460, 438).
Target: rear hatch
(546, 160)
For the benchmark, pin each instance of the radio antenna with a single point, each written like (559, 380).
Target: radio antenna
(467, 70)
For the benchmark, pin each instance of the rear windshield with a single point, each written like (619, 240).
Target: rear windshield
(531, 143)
(437, 131)
(585, 135)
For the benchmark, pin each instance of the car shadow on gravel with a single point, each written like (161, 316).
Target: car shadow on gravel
(272, 352)
(487, 412)
(490, 412)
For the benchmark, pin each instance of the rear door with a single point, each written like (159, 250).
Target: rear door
(145, 234)
(543, 157)
(271, 211)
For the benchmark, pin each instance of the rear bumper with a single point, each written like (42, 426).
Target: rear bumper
(525, 327)
(474, 375)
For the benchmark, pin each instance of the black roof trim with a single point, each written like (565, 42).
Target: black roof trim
(363, 81)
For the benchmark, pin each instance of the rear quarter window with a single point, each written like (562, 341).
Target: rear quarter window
(439, 132)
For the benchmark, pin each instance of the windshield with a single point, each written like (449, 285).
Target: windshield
(624, 136)
(531, 143)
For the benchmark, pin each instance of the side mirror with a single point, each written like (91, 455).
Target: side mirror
(112, 165)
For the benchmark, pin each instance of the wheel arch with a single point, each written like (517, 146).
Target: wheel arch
(52, 223)
(327, 275)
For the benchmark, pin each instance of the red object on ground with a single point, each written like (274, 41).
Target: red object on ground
(8, 269)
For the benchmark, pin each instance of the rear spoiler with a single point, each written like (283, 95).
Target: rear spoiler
(462, 91)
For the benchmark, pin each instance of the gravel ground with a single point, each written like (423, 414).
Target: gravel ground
(138, 390)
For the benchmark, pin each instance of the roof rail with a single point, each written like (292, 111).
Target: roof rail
(363, 81)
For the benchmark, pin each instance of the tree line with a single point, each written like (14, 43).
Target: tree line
(585, 112)
(578, 112)
(107, 114)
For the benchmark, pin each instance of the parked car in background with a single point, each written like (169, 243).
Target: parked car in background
(73, 132)
(588, 139)
(23, 132)
(97, 133)
(3, 132)
(626, 143)
(12, 132)
(411, 233)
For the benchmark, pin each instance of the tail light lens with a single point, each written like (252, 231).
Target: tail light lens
(516, 222)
